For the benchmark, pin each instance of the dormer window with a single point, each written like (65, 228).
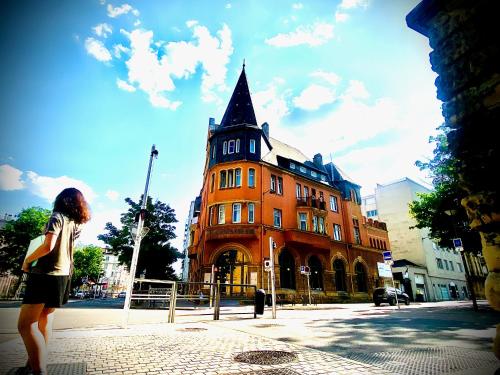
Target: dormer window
(252, 146)
(292, 165)
(230, 146)
(303, 169)
(314, 174)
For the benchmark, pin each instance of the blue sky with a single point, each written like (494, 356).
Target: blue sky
(89, 86)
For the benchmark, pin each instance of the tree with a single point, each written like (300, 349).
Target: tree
(156, 254)
(440, 211)
(15, 237)
(87, 261)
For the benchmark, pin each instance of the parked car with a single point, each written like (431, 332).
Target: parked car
(122, 294)
(388, 295)
(80, 294)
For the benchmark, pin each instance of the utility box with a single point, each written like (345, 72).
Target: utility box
(260, 297)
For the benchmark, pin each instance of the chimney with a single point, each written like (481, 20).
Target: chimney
(211, 123)
(318, 160)
(265, 129)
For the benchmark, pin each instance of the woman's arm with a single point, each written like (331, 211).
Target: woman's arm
(45, 248)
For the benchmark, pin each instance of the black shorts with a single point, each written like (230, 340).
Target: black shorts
(51, 290)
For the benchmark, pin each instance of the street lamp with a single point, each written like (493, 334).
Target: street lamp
(451, 214)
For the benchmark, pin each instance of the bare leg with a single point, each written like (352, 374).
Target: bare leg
(34, 340)
(45, 323)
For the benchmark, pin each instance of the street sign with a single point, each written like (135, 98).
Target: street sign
(305, 270)
(384, 270)
(267, 265)
(457, 243)
(387, 255)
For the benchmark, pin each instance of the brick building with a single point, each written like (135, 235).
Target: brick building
(255, 187)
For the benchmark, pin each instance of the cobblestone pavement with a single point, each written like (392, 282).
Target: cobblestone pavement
(173, 349)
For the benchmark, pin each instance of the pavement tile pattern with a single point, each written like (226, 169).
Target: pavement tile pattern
(166, 349)
(431, 361)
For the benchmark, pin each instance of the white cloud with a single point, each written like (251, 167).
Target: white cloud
(312, 35)
(350, 4)
(10, 178)
(124, 9)
(137, 23)
(155, 75)
(228, 6)
(124, 85)
(103, 30)
(118, 49)
(48, 187)
(329, 77)
(270, 106)
(356, 90)
(96, 225)
(297, 6)
(112, 195)
(341, 17)
(97, 49)
(314, 97)
(102, 2)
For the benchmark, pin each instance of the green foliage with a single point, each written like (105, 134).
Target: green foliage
(87, 261)
(16, 236)
(440, 211)
(156, 254)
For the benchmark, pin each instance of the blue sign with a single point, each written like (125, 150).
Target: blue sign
(387, 255)
(457, 242)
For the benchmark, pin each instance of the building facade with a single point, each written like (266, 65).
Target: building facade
(256, 187)
(425, 270)
(115, 275)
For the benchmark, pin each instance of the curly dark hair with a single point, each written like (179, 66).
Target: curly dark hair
(70, 202)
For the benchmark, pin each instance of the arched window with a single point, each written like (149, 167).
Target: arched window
(316, 278)
(232, 269)
(360, 272)
(340, 275)
(287, 270)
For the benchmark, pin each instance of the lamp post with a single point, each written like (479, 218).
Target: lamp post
(451, 214)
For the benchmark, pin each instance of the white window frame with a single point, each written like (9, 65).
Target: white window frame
(292, 165)
(337, 232)
(302, 215)
(210, 215)
(251, 213)
(334, 203)
(273, 183)
(221, 214)
(277, 215)
(222, 180)
(224, 148)
(213, 152)
(279, 184)
(251, 176)
(236, 217)
(237, 145)
(306, 192)
(230, 146)
(237, 177)
(302, 169)
(315, 223)
(314, 174)
(321, 225)
(252, 146)
(298, 190)
(230, 178)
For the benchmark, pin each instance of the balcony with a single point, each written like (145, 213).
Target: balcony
(307, 239)
(231, 231)
(318, 203)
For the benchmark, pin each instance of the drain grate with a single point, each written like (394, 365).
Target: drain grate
(266, 357)
(191, 329)
(274, 371)
(77, 368)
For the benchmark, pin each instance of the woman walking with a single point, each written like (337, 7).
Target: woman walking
(49, 280)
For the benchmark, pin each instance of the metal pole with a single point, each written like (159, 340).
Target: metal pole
(395, 292)
(273, 279)
(138, 238)
(468, 281)
(212, 286)
(309, 287)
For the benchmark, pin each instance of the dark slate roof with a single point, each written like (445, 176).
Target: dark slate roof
(240, 108)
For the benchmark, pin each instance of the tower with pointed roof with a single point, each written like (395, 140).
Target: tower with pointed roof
(256, 187)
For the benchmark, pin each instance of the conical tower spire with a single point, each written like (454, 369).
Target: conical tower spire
(240, 108)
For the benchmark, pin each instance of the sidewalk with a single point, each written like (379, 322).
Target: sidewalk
(187, 349)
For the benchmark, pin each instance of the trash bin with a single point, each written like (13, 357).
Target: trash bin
(260, 297)
(269, 300)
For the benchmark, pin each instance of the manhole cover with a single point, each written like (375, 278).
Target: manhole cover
(266, 357)
(192, 329)
(274, 371)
